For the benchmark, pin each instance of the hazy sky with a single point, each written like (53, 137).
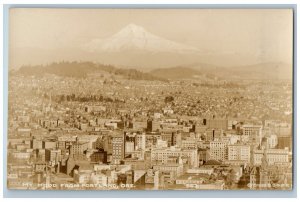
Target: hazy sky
(43, 35)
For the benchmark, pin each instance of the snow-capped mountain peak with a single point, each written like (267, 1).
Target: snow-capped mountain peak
(132, 30)
(136, 38)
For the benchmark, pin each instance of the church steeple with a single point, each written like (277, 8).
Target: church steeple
(264, 160)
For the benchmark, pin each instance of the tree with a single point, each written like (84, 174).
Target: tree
(169, 99)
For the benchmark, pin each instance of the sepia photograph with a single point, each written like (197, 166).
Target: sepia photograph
(150, 99)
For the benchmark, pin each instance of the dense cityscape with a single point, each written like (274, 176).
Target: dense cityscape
(106, 132)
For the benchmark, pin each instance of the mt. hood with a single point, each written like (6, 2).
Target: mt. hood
(136, 38)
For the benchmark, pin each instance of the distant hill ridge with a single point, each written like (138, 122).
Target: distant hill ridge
(271, 70)
(175, 72)
(195, 71)
(82, 69)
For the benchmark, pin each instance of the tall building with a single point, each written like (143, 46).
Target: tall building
(140, 140)
(218, 150)
(239, 152)
(129, 142)
(253, 132)
(77, 150)
(118, 148)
